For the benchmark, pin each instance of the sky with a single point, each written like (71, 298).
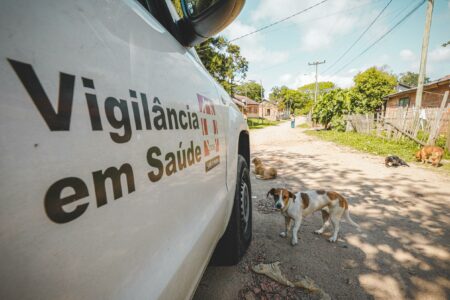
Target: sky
(280, 54)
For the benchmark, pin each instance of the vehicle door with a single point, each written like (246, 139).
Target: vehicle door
(113, 154)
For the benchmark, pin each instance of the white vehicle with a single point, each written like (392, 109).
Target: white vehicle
(123, 163)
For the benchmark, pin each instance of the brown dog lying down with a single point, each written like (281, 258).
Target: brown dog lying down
(263, 172)
(430, 153)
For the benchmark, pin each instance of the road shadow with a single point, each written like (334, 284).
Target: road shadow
(403, 246)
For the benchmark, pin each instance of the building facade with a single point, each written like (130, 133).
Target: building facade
(433, 93)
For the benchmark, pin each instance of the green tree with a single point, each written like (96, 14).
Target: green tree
(370, 88)
(278, 93)
(250, 89)
(308, 91)
(287, 97)
(330, 108)
(411, 79)
(224, 61)
(323, 87)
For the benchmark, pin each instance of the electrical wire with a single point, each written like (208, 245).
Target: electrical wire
(324, 16)
(279, 21)
(201, 49)
(360, 36)
(310, 20)
(381, 37)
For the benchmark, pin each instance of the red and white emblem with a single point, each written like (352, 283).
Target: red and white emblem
(210, 127)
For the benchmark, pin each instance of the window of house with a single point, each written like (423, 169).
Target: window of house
(403, 102)
(268, 112)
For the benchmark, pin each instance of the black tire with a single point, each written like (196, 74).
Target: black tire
(238, 235)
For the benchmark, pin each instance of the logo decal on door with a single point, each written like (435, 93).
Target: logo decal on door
(210, 131)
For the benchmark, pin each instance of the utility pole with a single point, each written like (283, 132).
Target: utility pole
(423, 57)
(260, 81)
(316, 63)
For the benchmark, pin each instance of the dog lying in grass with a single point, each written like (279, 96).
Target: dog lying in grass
(263, 172)
(394, 161)
(304, 203)
(431, 154)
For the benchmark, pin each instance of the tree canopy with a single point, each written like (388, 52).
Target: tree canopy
(299, 102)
(223, 60)
(331, 106)
(250, 89)
(366, 96)
(323, 86)
(370, 88)
(411, 79)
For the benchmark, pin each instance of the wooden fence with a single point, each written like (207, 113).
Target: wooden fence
(423, 125)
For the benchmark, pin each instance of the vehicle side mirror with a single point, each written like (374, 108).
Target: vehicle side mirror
(203, 19)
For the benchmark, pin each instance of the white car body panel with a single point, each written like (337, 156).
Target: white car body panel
(153, 242)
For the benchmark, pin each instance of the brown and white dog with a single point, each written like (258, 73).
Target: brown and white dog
(430, 153)
(263, 172)
(295, 207)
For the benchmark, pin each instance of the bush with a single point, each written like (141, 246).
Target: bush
(338, 123)
(365, 97)
(331, 105)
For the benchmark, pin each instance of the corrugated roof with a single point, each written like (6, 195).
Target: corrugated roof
(246, 100)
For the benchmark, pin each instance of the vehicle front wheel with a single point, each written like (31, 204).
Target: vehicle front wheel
(238, 235)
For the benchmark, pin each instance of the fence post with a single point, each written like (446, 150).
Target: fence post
(434, 132)
(447, 143)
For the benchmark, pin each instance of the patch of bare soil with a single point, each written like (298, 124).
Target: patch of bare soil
(402, 251)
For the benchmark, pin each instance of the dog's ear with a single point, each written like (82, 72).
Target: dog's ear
(271, 192)
(291, 195)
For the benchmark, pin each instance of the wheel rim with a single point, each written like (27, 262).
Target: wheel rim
(245, 205)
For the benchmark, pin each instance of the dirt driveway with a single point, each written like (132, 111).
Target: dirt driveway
(402, 251)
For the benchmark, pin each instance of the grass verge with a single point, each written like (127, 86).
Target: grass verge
(303, 125)
(256, 123)
(375, 145)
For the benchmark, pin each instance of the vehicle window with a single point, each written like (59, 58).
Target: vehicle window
(147, 6)
(196, 7)
(166, 12)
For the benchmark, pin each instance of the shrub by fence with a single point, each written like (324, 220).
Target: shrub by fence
(424, 125)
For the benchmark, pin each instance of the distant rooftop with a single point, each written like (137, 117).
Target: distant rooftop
(438, 82)
(246, 100)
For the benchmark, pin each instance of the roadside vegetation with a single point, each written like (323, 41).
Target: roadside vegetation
(257, 123)
(303, 125)
(366, 96)
(405, 149)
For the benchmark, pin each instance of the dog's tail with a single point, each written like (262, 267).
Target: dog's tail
(347, 217)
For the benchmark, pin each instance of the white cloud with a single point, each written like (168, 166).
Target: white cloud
(436, 59)
(440, 54)
(319, 27)
(285, 78)
(407, 55)
(252, 47)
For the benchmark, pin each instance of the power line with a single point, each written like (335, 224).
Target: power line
(360, 36)
(381, 37)
(328, 15)
(204, 48)
(263, 69)
(279, 21)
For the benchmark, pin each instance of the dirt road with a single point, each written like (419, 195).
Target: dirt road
(402, 251)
